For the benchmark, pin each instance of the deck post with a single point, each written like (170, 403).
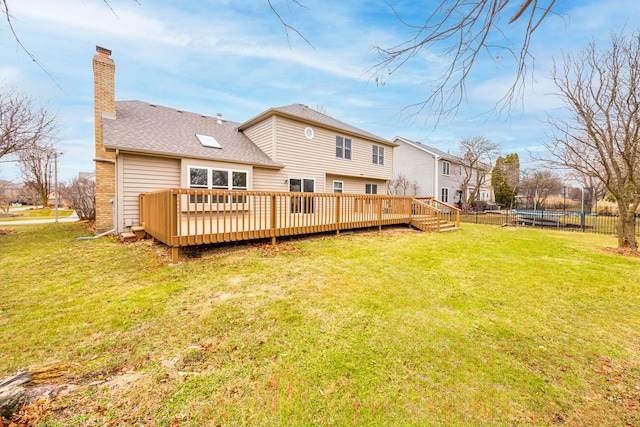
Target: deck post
(172, 205)
(175, 252)
(338, 209)
(273, 223)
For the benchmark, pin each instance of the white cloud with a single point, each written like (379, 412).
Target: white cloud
(76, 19)
(9, 75)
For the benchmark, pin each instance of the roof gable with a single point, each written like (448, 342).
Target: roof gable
(429, 149)
(305, 114)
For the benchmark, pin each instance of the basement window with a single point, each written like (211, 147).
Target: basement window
(208, 141)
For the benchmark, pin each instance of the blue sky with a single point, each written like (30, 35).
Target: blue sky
(234, 57)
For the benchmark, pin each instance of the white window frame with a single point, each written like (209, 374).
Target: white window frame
(444, 194)
(344, 147)
(371, 188)
(446, 168)
(211, 186)
(378, 155)
(338, 186)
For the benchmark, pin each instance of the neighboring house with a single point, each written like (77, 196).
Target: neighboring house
(437, 174)
(142, 147)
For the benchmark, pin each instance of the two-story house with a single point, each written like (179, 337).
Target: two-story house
(437, 174)
(142, 147)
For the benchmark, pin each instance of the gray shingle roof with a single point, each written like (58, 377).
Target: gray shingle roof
(153, 129)
(420, 145)
(307, 114)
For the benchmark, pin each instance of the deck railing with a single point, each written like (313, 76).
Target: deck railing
(447, 212)
(183, 217)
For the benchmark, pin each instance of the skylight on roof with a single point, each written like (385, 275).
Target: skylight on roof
(208, 141)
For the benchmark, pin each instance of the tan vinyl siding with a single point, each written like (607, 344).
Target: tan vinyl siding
(269, 180)
(262, 134)
(142, 174)
(315, 158)
(353, 185)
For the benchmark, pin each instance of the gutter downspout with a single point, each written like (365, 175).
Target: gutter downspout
(116, 201)
(435, 177)
(78, 239)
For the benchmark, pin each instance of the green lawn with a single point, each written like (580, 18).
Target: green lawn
(487, 326)
(35, 213)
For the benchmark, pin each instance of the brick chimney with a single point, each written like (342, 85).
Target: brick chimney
(104, 69)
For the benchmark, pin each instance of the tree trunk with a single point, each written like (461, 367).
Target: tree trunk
(626, 229)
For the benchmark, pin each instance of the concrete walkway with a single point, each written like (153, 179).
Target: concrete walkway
(72, 218)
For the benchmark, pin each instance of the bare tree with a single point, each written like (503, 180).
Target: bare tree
(23, 125)
(36, 166)
(31, 193)
(284, 23)
(601, 138)
(402, 185)
(595, 186)
(466, 29)
(9, 193)
(81, 195)
(476, 159)
(537, 185)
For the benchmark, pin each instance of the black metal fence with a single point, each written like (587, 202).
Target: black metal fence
(571, 221)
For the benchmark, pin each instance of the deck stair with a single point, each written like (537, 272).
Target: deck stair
(431, 223)
(127, 236)
(136, 233)
(139, 231)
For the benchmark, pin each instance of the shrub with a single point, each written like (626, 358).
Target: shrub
(81, 195)
(478, 205)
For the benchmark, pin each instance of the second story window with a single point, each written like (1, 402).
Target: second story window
(343, 147)
(378, 155)
(445, 168)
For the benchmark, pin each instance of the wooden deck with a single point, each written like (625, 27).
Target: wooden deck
(183, 217)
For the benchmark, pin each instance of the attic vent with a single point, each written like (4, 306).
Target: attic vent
(308, 132)
(208, 141)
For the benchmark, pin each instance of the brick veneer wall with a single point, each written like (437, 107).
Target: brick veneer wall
(104, 102)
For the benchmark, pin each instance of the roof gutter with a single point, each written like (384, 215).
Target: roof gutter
(180, 156)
